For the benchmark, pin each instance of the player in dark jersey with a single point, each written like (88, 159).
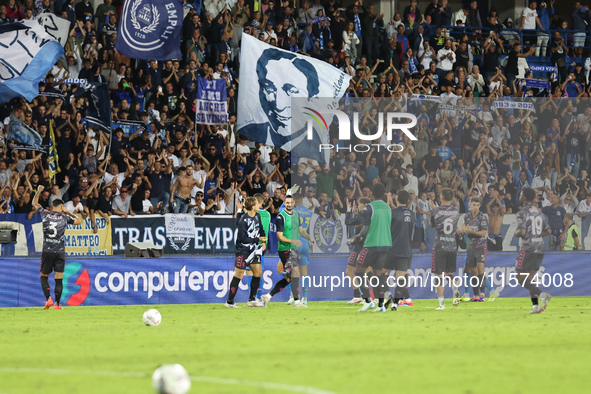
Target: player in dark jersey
(531, 226)
(354, 218)
(265, 221)
(251, 242)
(403, 222)
(53, 257)
(476, 227)
(377, 219)
(305, 218)
(289, 231)
(445, 220)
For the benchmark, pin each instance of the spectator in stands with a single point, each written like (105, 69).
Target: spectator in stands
(556, 216)
(529, 23)
(579, 17)
(473, 17)
(446, 58)
(544, 14)
(583, 211)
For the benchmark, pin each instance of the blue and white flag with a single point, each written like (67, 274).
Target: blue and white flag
(129, 127)
(212, 104)
(26, 55)
(22, 136)
(99, 103)
(57, 27)
(515, 105)
(150, 29)
(536, 84)
(427, 97)
(99, 107)
(548, 69)
(269, 79)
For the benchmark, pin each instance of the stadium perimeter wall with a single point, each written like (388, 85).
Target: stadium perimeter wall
(187, 234)
(205, 279)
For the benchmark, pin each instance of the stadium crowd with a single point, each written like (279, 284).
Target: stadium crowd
(466, 57)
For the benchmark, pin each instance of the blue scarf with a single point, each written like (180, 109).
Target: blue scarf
(357, 25)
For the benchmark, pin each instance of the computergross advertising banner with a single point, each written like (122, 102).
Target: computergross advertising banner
(203, 279)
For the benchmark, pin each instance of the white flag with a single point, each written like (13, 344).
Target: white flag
(269, 78)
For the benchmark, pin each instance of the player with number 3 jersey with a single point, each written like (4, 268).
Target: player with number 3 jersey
(53, 257)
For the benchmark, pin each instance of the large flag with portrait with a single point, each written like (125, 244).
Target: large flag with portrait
(150, 29)
(26, 55)
(269, 78)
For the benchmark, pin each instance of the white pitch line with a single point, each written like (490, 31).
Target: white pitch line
(265, 385)
(205, 379)
(480, 307)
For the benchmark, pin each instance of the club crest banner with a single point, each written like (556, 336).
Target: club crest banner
(150, 29)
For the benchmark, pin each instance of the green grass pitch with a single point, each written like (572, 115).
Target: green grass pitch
(491, 347)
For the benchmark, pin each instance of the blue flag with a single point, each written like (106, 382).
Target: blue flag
(150, 29)
(99, 107)
(22, 136)
(26, 55)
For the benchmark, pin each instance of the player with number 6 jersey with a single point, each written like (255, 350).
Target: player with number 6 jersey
(531, 227)
(53, 257)
(443, 264)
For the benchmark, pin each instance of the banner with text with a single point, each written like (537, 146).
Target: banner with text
(81, 240)
(212, 104)
(203, 279)
(210, 234)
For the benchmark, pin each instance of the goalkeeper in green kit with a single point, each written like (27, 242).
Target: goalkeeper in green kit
(288, 233)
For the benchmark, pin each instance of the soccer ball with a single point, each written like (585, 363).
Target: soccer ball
(152, 317)
(171, 379)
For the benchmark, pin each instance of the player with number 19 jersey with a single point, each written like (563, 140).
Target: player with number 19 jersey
(532, 220)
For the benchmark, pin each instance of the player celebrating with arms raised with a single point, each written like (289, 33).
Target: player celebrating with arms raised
(288, 232)
(531, 226)
(445, 220)
(476, 226)
(53, 257)
(250, 245)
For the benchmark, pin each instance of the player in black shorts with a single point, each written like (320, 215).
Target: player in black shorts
(377, 241)
(355, 219)
(53, 257)
(445, 220)
(250, 245)
(403, 222)
(476, 226)
(531, 226)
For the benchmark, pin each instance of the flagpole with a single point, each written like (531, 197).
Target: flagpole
(235, 172)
